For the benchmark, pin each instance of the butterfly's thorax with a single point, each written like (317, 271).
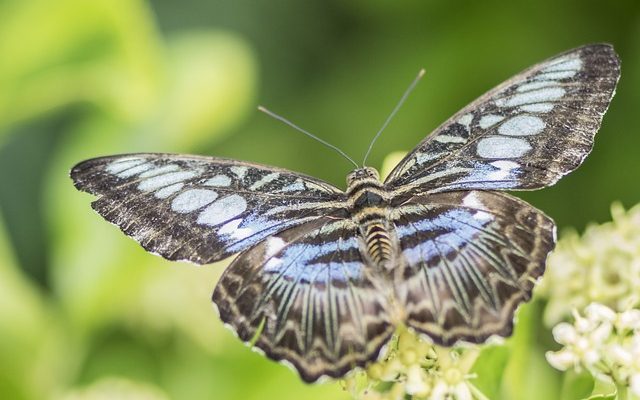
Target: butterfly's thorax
(369, 204)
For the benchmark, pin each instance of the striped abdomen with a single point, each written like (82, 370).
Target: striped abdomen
(369, 203)
(378, 241)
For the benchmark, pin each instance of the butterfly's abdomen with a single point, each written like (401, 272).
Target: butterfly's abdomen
(378, 242)
(369, 202)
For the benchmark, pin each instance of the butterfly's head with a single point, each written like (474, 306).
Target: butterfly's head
(362, 174)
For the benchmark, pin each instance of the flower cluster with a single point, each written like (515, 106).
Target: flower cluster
(414, 368)
(602, 341)
(602, 266)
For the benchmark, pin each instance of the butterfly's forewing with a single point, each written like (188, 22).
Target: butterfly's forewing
(471, 257)
(306, 296)
(201, 209)
(525, 134)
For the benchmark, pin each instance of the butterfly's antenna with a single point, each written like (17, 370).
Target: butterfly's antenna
(311, 135)
(395, 110)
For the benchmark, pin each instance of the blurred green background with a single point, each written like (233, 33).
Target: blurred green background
(84, 311)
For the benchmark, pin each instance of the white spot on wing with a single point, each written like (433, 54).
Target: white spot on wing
(218, 180)
(296, 207)
(534, 96)
(421, 158)
(192, 199)
(472, 200)
(232, 228)
(482, 216)
(537, 107)
(406, 167)
(502, 147)
(274, 245)
(123, 164)
(336, 225)
(239, 171)
(449, 139)
(294, 187)
(159, 181)
(264, 180)
(440, 174)
(489, 120)
(535, 85)
(168, 191)
(522, 125)
(223, 210)
(465, 120)
(556, 75)
(562, 65)
(229, 227)
(504, 168)
(161, 170)
(241, 233)
(312, 185)
(272, 264)
(505, 164)
(127, 173)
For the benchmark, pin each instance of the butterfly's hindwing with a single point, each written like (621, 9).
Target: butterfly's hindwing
(309, 290)
(525, 134)
(201, 209)
(471, 257)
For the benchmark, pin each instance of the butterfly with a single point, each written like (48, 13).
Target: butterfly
(324, 276)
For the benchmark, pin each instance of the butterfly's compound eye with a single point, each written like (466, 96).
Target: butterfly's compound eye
(352, 177)
(371, 173)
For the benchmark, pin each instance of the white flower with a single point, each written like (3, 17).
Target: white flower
(413, 367)
(416, 383)
(453, 379)
(584, 340)
(634, 384)
(598, 312)
(599, 274)
(444, 391)
(600, 334)
(563, 359)
(628, 320)
(462, 391)
(634, 371)
(565, 333)
(606, 343)
(620, 355)
(601, 266)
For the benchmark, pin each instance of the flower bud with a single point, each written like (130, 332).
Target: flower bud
(562, 360)
(565, 333)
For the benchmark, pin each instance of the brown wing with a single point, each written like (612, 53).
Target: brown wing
(525, 134)
(201, 209)
(471, 257)
(310, 299)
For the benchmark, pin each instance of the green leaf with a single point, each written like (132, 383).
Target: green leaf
(527, 366)
(577, 386)
(605, 391)
(490, 367)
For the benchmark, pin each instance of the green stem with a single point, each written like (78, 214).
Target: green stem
(622, 392)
